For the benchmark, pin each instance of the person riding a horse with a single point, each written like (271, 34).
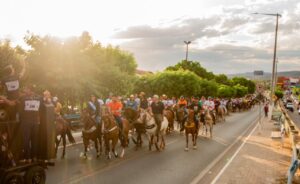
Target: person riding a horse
(210, 105)
(195, 106)
(144, 102)
(115, 107)
(94, 109)
(157, 109)
(223, 104)
(132, 103)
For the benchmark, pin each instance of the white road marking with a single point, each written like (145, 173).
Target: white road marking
(235, 154)
(214, 162)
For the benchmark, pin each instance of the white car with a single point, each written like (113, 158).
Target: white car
(290, 106)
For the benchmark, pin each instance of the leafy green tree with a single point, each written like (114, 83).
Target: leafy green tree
(244, 82)
(192, 66)
(226, 91)
(240, 90)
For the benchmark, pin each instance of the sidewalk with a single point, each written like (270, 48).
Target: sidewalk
(262, 160)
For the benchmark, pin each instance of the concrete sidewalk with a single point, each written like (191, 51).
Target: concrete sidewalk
(260, 160)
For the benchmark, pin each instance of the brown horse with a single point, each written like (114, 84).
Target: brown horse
(112, 133)
(169, 114)
(180, 113)
(220, 113)
(62, 129)
(191, 128)
(91, 131)
(132, 117)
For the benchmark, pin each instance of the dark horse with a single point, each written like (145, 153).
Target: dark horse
(191, 128)
(63, 129)
(132, 117)
(91, 131)
(181, 117)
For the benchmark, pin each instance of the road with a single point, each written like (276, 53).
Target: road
(173, 165)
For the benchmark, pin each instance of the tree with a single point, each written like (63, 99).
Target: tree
(240, 90)
(222, 79)
(192, 66)
(226, 91)
(77, 67)
(244, 82)
(11, 56)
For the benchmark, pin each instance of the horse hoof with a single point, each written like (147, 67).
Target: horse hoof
(186, 149)
(116, 155)
(84, 157)
(62, 157)
(195, 147)
(98, 155)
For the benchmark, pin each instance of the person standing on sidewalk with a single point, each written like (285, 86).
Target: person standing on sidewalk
(266, 109)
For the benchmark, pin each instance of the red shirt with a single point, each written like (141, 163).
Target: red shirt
(115, 108)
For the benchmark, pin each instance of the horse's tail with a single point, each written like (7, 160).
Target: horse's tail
(70, 136)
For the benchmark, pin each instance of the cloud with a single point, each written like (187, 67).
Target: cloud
(228, 41)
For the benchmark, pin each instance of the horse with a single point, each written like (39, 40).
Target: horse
(113, 133)
(62, 129)
(91, 131)
(151, 128)
(191, 128)
(132, 117)
(169, 114)
(180, 113)
(110, 133)
(220, 113)
(207, 120)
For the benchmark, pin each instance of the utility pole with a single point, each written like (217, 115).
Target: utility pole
(274, 55)
(274, 60)
(187, 49)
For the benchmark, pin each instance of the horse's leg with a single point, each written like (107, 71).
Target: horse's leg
(195, 140)
(187, 141)
(210, 130)
(85, 143)
(101, 143)
(151, 142)
(57, 142)
(156, 142)
(113, 146)
(96, 146)
(107, 148)
(64, 146)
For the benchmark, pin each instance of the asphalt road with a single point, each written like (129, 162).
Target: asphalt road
(173, 165)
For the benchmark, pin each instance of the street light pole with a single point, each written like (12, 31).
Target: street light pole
(274, 59)
(275, 54)
(187, 49)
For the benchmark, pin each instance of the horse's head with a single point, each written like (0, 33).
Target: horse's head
(87, 120)
(145, 116)
(191, 114)
(108, 121)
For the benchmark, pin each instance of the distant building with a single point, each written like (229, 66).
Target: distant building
(142, 72)
(287, 82)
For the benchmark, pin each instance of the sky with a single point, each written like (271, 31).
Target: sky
(226, 37)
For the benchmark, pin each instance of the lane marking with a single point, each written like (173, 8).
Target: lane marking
(235, 154)
(214, 162)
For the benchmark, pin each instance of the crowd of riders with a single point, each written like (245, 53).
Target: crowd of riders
(24, 106)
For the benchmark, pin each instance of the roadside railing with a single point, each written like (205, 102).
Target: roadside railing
(289, 128)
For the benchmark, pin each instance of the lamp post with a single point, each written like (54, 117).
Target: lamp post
(275, 54)
(187, 49)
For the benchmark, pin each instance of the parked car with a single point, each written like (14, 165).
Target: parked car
(290, 106)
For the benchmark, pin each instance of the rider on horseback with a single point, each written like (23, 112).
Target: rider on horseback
(157, 108)
(195, 106)
(94, 109)
(223, 104)
(115, 107)
(132, 103)
(210, 105)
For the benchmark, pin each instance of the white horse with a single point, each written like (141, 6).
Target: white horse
(151, 127)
